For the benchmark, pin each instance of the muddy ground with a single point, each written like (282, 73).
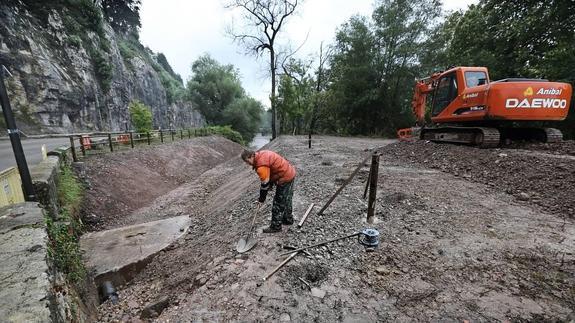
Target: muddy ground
(455, 244)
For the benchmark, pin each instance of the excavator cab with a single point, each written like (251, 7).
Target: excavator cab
(445, 92)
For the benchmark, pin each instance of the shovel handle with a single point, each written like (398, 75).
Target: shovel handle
(254, 219)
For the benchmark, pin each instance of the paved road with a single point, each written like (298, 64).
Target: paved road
(32, 150)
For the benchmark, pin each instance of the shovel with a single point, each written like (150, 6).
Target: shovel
(247, 243)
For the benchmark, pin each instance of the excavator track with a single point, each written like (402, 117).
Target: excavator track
(476, 136)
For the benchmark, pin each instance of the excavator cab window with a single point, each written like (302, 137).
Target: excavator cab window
(445, 92)
(475, 78)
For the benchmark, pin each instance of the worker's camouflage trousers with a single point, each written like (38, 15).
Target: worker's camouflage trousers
(282, 207)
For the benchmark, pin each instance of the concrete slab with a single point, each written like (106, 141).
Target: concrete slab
(24, 284)
(119, 254)
(20, 215)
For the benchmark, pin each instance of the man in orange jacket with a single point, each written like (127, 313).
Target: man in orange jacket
(274, 169)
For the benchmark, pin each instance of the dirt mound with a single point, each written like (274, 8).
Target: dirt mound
(451, 249)
(537, 173)
(123, 182)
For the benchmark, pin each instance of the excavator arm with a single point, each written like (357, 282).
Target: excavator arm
(422, 88)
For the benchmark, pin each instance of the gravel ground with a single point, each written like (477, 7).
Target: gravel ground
(541, 174)
(452, 247)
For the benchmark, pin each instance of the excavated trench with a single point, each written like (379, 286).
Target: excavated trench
(123, 237)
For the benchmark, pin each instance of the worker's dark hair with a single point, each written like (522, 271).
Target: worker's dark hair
(247, 154)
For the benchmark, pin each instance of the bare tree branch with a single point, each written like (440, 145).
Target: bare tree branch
(265, 18)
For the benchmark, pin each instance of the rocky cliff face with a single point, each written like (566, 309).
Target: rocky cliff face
(55, 84)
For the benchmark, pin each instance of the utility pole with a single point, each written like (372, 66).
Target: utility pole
(14, 135)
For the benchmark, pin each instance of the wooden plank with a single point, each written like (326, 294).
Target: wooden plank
(347, 181)
(305, 215)
(281, 265)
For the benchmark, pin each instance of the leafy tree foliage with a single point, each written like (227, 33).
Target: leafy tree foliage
(244, 116)
(141, 116)
(163, 61)
(375, 61)
(218, 94)
(213, 87)
(123, 15)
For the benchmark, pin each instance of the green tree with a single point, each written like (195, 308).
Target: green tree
(244, 116)
(141, 116)
(295, 97)
(213, 87)
(374, 64)
(163, 61)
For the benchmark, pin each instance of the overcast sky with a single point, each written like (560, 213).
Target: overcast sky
(185, 29)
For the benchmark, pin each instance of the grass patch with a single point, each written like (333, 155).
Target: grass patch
(64, 233)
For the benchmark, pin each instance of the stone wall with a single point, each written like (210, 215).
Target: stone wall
(31, 288)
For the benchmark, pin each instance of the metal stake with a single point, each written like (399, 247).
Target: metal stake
(161, 136)
(14, 135)
(372, 187)
(110, 142)
(148, 136)
(132, 139)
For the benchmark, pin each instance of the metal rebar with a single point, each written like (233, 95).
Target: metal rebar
(347, 181)
(372, 187)
(110, 142)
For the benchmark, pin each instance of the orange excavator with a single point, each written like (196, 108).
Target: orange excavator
(467, 107)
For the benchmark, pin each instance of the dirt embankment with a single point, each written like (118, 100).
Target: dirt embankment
(451, 249)
(541, 174)
(123, 182)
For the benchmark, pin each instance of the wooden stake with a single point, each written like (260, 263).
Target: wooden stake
(281, 265)
(347, 181)
(305, 215)
(322, 243)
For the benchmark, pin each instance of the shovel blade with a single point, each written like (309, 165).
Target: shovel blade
(245, 245)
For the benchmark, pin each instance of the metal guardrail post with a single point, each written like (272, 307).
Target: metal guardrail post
(161, 136)
(172, 133)
(148, 136)
(110, 142)
(132, 139)
(181, 134)
(73, 149)
(372, 188)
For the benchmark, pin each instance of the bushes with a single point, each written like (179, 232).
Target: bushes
(227, 132)
(141, 116)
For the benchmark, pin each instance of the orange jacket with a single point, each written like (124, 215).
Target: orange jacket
(273, 167)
